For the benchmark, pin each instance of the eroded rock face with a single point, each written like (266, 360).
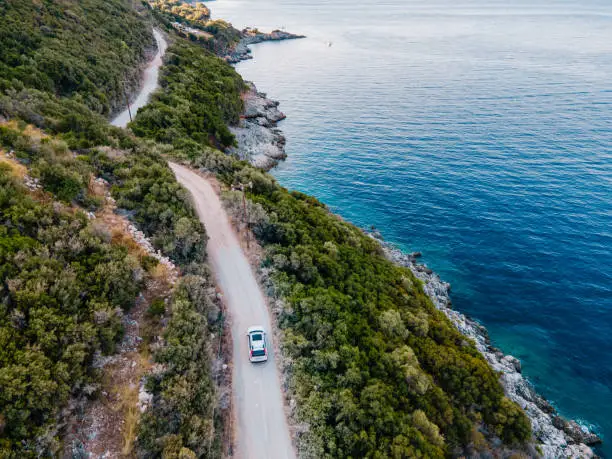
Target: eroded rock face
(259, 140)
(556, 437)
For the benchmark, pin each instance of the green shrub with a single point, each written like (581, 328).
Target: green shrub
(145, 184)
(148, 262)
(368, 342)
(80, 49)
(63, 68)
(64, 183)
(157, 307)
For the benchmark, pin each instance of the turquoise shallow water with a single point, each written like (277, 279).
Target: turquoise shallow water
(478, 133)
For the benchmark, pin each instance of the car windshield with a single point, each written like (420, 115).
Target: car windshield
(257, 337)
(259, 353)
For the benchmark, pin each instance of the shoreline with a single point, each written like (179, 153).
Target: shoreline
(242, 52)
(260, 141)
(556, 436)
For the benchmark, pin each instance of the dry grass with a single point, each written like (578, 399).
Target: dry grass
(117, 227)
(161, 273)
(120, 237)
(123, 383)
(32, 132)
(18, 169)
(95, 189)
(129, 405)
(39, 140)
(129, 401)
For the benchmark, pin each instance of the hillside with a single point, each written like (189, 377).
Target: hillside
(374, 368)
(88, 50)
(70, 275)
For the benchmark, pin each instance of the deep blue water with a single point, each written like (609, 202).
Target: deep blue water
(478, 133)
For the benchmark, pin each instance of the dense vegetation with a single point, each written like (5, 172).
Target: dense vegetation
(82, 49)
(376, 370)
(64, 66)
(63, 289)
(64, 281)
(60, 321)
(51, 161)
(145, 185)
(371, 354)
(87, 34)
(200, 96)
(182, 419)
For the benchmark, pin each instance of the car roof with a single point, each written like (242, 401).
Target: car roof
(257, 345)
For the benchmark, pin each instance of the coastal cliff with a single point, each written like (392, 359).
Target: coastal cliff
(259, 139)
(261, 143)
(555, 436)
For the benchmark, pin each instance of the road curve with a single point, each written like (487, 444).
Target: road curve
(261, 431)
(149, 83)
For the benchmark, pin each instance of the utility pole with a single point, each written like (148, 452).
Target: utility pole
(128, 101)
(241, 187)
(246, 217)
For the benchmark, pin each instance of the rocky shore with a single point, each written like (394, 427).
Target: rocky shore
(259, 139)
(241, 51)
(555, 436)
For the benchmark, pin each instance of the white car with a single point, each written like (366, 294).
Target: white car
(258, 348)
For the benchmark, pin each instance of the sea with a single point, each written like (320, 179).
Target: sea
(478, 133)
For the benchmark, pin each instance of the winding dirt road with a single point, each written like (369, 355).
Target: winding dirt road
(149, 83)
(261, 430)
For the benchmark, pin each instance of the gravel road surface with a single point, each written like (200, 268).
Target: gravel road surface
(261, 426)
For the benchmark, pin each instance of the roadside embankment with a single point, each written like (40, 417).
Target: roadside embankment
(556, 436)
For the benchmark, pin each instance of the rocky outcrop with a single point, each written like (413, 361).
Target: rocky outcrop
(241, 51)
(555, 436)
(259, 140)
